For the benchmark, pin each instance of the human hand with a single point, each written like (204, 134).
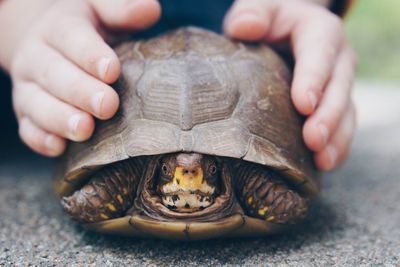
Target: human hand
(62, 66)
(323, 73)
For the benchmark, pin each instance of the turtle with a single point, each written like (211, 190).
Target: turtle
(206, 143)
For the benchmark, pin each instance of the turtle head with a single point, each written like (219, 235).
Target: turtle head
(188, 181)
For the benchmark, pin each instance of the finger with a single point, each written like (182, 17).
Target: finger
(316, 36)
(249, 20)
(78, 41)
(337, 150)
(319, 127)
(39, 140)
(316, 42)
(68, 83)
(128, 15)
(51, 114)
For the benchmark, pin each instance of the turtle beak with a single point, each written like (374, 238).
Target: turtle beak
(189, 178)
(188, 189)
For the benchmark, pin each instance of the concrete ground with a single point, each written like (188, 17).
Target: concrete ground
(354, 223)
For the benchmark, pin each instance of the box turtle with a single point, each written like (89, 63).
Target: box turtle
(206, 144)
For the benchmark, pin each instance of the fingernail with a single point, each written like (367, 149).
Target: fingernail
(73, 123)
(51, 143)
(97, 102)
(332, 154)
(324, 132)
(102, 67)
(312, 97)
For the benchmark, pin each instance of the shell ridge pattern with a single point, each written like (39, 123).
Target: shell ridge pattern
(185, 109)
(185, 103)
(186, 141)
(263, 159)
(123, 144)
(249, 142)
(136, 49)
(237, 99)
(241, 49)
(140, 55)
(240, 99)
(218, 94)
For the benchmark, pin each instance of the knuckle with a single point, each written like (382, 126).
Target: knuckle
(330, 52)
(354, 114)
(345, 83)
(18, 64)
(320, 76)
(352, 57)
(29, 137)
(90, 59)
(336, 111)
(335, 22)
(20, 99)
(77, 91)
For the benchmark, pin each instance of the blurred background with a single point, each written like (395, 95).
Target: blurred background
(373, 28)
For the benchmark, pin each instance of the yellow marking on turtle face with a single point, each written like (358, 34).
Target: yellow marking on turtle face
(111, 207)
(263, 210)
(120, 199)
(270, 218)
(250, 200)
(125, 191)
(189, 181)
(103, 216)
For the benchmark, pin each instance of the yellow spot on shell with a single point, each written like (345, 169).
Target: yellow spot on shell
(120, 199)
(111, 207)
(125, 191)
(103, 216)
(263, 210)
(250, 200)
(270, 218)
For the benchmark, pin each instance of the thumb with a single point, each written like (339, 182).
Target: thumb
(249, 20)
(127, 14)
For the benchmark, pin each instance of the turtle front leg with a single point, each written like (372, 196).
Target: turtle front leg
(264, 195)
(108, 194)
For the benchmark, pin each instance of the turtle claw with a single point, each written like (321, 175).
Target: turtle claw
(71, 207)
(65, 203)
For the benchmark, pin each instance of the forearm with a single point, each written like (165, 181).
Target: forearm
(15, 18)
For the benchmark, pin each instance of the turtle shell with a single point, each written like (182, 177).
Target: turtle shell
(194, 90)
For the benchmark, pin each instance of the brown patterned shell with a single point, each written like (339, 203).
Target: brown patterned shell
(193, 90)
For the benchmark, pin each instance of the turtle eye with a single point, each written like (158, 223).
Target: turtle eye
(165, 169)
(212, 169)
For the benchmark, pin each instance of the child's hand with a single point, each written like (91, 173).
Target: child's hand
(62, 67)
(324, 70)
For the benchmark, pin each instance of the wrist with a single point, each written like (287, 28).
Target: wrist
(16, 16)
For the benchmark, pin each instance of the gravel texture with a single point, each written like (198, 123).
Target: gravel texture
(354, 223)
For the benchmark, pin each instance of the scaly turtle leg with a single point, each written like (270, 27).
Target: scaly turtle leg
(264, 195)
(108, 194)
